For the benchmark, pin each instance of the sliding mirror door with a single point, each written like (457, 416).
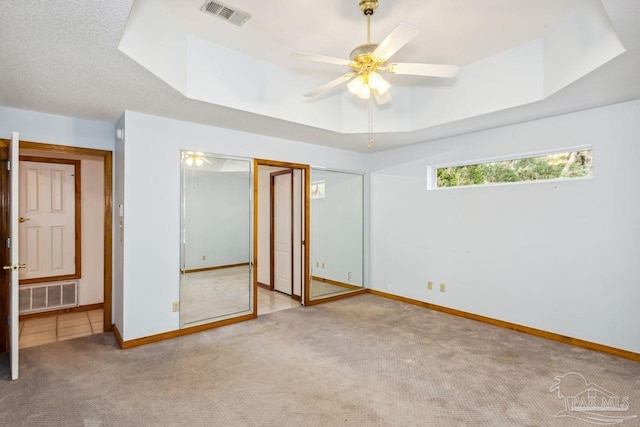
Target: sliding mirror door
(336, 233)
(216, 252)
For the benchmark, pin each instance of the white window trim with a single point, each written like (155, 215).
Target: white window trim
(431, 169)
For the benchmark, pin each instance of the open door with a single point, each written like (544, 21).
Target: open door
(10, 257)
(281, 223)
(14, 325)
(282, 226)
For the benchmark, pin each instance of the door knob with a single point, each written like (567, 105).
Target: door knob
(14, 267)
(21, 220)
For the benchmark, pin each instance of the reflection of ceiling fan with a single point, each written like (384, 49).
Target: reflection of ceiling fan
(194, 158)
(367, 59)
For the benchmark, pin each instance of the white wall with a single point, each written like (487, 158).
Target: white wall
(153, 39)
(151, 189)
(584, 41)
(53, 129)
(558, 256)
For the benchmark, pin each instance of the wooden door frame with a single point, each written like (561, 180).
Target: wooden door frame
(107, 157)
(305, 175)
(273, 176)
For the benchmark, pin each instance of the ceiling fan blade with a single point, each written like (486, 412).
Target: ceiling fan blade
(382, 98)
(332, 83)
(400, 36)
(321, 58)
(429, 70)
(206, 160)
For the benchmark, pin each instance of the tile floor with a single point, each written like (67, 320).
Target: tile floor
(44, 330)
(270, 301)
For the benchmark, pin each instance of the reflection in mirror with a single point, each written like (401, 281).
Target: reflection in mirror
(216, 239)
(336, 233)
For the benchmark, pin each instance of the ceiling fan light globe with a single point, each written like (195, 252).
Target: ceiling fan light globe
(356, 85)
(199, 161)
(365, 92)
(189, 161)
(378, 83)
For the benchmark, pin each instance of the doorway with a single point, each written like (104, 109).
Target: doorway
(66, 152)
(281, 253)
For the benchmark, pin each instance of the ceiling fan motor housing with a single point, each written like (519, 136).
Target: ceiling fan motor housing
(363, 58)
(368, 6)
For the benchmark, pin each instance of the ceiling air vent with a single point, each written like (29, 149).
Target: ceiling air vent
(222, 11)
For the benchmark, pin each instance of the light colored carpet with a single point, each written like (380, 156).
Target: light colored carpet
(363, 361)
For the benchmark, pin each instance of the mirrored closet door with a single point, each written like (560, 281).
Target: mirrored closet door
(337, 224)
(216, 251)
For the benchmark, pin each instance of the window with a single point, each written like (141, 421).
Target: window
(560, 165)
(317, 190)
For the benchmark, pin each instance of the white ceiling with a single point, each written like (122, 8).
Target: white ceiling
(62, 57)
(451, 31)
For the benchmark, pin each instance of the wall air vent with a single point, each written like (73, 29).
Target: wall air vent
(36, 298)
(229, 14)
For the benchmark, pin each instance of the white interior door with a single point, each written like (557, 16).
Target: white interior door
(282, 233)
(298, 212)
(303, 234)
(47, 219)
(14, 252)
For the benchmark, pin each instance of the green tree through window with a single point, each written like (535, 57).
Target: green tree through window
(574, 164)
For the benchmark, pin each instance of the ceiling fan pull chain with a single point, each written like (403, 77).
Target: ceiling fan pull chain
(368, 29)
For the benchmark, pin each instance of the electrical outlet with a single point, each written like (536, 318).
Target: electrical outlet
(323, 265)
(349, 276)
(317, 264)
(176, 306)
(442, 286)
(430, 285)
(204, 257)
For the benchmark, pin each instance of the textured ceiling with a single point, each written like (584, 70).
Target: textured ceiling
(62, 57)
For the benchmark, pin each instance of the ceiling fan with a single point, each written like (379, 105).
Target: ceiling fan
(367, 59)
(194, 158)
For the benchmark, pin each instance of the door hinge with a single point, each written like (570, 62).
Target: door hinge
(7, 320)
(8, 242)
(8, 165)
